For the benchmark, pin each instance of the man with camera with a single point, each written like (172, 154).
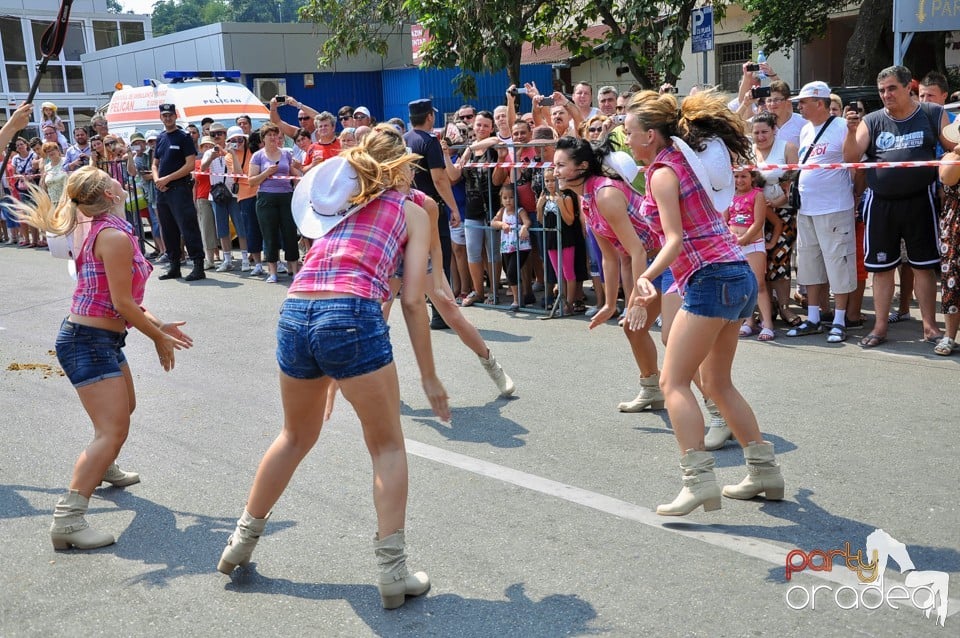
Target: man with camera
(78, 154)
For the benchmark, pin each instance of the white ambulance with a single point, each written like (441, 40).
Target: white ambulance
(197, 94)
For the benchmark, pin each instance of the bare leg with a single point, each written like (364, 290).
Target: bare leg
(641, 343)
(303, 409)
(758, 264)
(882, 297)
(109, 404)
(384, 438)
(925, 285)
(718, 385)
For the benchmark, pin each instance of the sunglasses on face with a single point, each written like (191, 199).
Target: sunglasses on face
(345, 117)
(303, 117)
(360, 116)
(467, 117)
(219, 134)
(595, 129)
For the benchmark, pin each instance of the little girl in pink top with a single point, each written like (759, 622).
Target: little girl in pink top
(746, 217)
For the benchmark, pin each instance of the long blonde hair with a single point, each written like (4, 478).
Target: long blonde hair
(84, 193)
(381, 162)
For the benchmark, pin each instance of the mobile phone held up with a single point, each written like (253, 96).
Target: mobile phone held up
(547, 101)
(753, 66)
(520, 91)
(281, 99)
(759, 92)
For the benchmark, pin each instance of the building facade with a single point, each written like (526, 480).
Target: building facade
(91, 28)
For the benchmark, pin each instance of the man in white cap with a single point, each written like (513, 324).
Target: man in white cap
(826, 244)
(899, 203)
(362, 117)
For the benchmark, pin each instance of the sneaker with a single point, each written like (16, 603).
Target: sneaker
(281, 268)
(163, 259)
(591, 310)
(208, 265)
(244, 266)
(537, 286)
(225, 266)
(271, 279)
(437, 323)
(257, 270)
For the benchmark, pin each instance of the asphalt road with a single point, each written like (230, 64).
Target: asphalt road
(533, 516)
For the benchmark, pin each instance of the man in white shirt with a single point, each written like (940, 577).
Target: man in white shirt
(826, 244)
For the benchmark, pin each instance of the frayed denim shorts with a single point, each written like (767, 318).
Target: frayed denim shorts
(727, 291)
(339, 338)
(88, 355)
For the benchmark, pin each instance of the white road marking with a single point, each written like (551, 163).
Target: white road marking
(747, 546)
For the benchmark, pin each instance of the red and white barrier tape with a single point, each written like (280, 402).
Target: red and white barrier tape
(758, 167)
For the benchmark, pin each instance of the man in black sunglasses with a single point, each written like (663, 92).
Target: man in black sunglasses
(305, 116)
(345, 116)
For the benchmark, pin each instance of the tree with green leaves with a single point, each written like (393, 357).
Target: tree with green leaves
(781, 23)
(474, 35)
(632, 27)
(171, 16)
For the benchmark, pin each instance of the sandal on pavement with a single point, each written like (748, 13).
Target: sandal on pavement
(897, 317)
(746, 330)
(470, 299)
(872, 340)
(935, 339)
(789, 317)
(945, 347)
(837, 334)
(805, 328)
(766, 335)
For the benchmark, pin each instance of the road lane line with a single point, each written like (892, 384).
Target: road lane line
(745, 545)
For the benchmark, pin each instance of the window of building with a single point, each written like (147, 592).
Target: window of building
(18, 81)
(74, 78)
(131, 32)
(105, 34)
(11, 33)
(730, 59)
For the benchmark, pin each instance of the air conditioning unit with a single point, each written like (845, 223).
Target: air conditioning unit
(268, 88)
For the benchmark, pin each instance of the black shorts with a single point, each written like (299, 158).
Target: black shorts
(913, 219)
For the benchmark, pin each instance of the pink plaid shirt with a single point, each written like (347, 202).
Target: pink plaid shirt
(706, 238)
(360, 254)
(601, 227)
(92, 295)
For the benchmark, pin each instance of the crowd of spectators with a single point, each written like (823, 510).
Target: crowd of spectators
(829, 229)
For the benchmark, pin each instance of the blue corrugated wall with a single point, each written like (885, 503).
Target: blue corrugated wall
(387, 93)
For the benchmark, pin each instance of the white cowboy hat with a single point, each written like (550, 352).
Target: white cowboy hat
(623, 165)
(713, 169)
(322, 198)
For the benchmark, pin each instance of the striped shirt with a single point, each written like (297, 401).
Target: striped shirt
(92, 295)
(360, 254)
(706, 238)
(601, 227)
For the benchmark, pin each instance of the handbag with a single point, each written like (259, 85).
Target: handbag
(220, 193)
(794, 199)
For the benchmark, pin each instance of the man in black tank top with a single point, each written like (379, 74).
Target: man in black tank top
(900, 203)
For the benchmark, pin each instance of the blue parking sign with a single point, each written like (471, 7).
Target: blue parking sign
(701, 30)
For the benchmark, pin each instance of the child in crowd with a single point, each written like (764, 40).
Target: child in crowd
(514, 245)
(551, 205)
(745, 217)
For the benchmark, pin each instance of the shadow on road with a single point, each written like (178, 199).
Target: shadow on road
(439, 615)
(815, 528)
(178, 543)
(482, 424)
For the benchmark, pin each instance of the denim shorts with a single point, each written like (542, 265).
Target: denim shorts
(727, 291)
(339, 338)
(88, 355)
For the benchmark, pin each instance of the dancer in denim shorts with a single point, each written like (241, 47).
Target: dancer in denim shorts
(331, 328)
(111, 277)
(718, 287)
